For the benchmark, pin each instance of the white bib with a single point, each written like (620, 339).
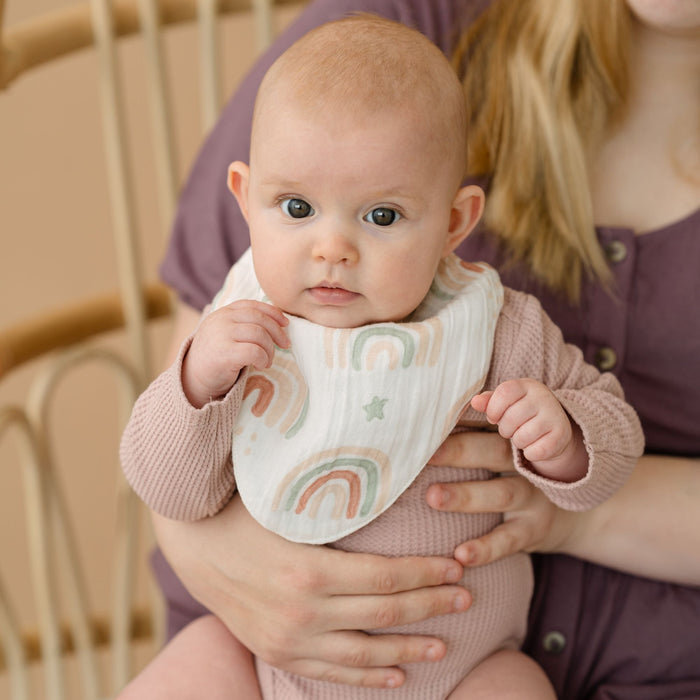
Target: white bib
(342, 423)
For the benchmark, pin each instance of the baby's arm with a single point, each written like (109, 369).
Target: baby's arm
(529, 414)
(176, 448)
(529, 344)
(239, 334)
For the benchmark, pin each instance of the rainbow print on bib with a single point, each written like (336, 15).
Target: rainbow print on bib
(340, 425)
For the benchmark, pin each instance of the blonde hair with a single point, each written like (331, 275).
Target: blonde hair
(543, 80)
(363, 66)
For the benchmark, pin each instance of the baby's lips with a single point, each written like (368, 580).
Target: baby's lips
(333, 296)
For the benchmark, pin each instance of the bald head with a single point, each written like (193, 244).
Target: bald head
(357, 69)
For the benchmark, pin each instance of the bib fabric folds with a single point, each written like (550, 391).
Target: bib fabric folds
(340, 425)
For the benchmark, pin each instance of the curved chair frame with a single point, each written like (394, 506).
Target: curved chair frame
(65, 334)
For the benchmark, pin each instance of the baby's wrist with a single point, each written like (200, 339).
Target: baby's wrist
(199, 393)
(571, 465)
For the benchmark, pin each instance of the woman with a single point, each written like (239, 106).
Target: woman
(588, 112)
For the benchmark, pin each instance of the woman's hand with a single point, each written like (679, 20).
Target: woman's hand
(528, 517)
(650, 527)
(298, 606)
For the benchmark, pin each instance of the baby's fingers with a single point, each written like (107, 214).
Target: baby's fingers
(251, 344)
(480, 402)
(268, 317)
(499, 403)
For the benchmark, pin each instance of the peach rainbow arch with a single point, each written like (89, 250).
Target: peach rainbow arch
(283, 395)
(265, 389)
(430, 334)
(452, 276)
(337, 491)
(355, 492)
(365, 472)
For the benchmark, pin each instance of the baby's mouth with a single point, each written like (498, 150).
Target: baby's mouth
(332, 294)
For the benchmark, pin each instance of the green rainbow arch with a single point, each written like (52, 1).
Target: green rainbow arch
(368, 333)
(299, 421)
(305, 479)
(440, 293)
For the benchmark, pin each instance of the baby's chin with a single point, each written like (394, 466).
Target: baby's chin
(355, 313)
(335, 319)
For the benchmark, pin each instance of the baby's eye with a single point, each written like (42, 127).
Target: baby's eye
(383, 216)
(296, 208)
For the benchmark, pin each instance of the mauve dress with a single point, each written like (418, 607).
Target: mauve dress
(598, 633)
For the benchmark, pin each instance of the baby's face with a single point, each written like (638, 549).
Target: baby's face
(348, 222)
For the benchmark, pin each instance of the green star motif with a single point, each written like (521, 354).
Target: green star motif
(375, 409)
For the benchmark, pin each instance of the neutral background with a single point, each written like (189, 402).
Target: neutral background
(56, 247)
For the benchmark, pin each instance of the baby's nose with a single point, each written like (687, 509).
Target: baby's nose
(335, 248)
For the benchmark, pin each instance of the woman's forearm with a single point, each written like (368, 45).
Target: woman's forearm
(650, 527)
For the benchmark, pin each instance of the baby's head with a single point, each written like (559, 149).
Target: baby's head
(357, 156)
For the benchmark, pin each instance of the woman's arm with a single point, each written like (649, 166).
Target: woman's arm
(298, 606)
(650, 527)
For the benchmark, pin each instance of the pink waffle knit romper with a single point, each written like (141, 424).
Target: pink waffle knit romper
(178, 459)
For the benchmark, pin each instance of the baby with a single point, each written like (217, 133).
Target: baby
(345, 346)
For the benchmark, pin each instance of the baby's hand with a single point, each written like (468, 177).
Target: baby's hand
(242, 333)
(528, 414)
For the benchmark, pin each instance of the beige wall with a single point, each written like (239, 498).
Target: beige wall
(55, 247)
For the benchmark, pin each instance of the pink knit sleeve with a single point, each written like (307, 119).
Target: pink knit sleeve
(177, 458)
(529, 344)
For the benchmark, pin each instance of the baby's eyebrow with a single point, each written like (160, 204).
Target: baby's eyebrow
(280, 183)
(397, 193)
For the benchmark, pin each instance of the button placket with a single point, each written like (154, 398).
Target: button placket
(554, 642)
(605, 359)
(615, 251)
(607, 311)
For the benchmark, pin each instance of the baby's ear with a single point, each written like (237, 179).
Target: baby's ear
(238, 179)
(467, 208)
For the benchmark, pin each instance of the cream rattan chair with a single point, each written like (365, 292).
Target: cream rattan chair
(55, 641)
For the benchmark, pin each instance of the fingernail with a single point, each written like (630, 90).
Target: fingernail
(431, 653)
(460, 603)
(445, 496)
(392, 681)
(466, 555)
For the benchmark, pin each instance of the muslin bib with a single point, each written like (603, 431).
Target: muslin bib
(340, 425)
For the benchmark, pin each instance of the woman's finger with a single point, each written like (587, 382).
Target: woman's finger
(359, 659)
(528, 517)
(338, 573)
(381, 612)
(348, 675)
(500, 495)
(475, 450)
(508, 538)
(358, 651)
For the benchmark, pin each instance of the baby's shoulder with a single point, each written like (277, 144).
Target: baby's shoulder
(519, 307)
